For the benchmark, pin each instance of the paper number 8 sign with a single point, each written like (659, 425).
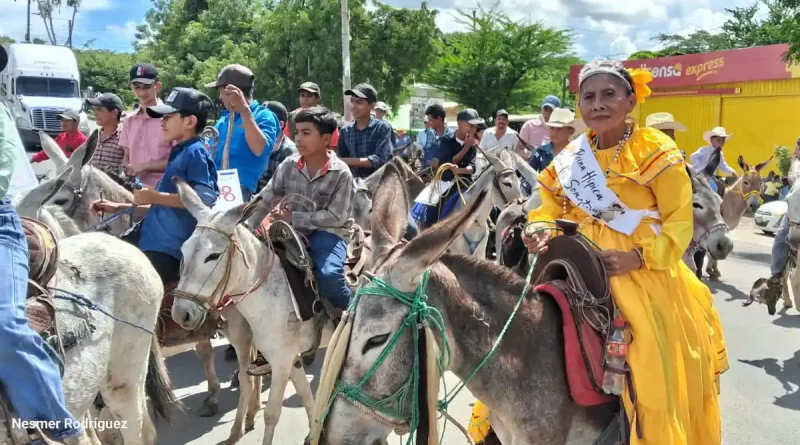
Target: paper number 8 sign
(227, 193)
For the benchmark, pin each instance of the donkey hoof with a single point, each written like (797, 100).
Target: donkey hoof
(235, 379)
(209, 409)
(234, 438)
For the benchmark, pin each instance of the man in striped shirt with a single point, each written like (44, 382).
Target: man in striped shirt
(109, 154)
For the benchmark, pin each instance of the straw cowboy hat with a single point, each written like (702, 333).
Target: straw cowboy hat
(562, 117)
(664, 121)
(716, 132)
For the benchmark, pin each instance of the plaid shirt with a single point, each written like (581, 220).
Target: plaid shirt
(286, 149)
(373, 143)
(332, 189)
(108, 156)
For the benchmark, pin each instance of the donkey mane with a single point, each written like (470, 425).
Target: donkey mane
(66, 223)
(112, 190)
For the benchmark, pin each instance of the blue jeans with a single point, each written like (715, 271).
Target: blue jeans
(780, 249)
(713, 184)
(30, 378)
(329, 252)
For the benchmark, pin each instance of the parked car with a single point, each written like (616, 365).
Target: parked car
(768, 216)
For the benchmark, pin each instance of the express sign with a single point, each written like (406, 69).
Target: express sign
(739, 65)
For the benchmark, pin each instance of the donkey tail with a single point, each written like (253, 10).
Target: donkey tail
(157, 385)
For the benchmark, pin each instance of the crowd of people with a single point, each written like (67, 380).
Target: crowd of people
(679, 349)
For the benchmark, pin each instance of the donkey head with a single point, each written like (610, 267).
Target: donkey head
(710, 229)
(379, 319)
(211, 257)
(68, 196)
(751, 182)
(32, 202)
(508, 186)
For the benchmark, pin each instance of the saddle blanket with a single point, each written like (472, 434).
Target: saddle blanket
(581, 388)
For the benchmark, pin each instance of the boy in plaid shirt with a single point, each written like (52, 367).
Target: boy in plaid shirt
(318, 174)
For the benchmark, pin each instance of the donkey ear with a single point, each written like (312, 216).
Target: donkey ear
(743, 165)
(32, 201)
(764, 164)
(91, 146)
(53, 150)
(190, 200)
(242, 213)
(426, 248)
(389, 216)
(76, 161)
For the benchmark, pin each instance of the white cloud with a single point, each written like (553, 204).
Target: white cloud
(126, 31)
(15, 21)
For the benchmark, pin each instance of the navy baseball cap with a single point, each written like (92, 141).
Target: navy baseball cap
(180, 99)
(551, 102)
(364, 91)
(145, 73)
(470, 115)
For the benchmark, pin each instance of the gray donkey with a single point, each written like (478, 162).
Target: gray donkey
(531, 403)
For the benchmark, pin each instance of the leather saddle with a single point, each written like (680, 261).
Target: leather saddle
(292, 249)
(42, 262)
(572, 273)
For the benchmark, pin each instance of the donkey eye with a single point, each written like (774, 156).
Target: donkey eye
(375, 342)
(746, 183)
(213, 257)
(60, 202)
(697, 206)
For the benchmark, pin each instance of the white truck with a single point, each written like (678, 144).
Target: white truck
(39, 83)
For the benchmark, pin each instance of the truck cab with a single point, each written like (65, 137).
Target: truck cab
(38, 84)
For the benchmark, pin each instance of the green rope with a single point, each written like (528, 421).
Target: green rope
(420, 313)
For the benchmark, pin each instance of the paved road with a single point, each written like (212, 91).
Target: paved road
(760, 393)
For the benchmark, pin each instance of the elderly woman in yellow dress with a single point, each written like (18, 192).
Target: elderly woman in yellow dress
(678, 351)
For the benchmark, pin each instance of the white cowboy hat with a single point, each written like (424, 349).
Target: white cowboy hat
(664, 121)
(716, 132)
(562, 117)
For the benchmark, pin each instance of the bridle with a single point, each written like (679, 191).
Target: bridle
(219, 299)
(696, 245)
(77, 195)
(739, 186)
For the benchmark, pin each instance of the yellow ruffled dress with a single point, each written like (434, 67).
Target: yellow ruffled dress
(678, 350)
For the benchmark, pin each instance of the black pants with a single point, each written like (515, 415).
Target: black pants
(168, 268)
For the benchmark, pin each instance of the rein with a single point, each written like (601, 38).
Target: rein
(393, 410)
(739, 187)
(219, 299)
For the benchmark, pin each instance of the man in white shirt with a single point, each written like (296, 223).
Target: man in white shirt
(499, 137)
(716, 139)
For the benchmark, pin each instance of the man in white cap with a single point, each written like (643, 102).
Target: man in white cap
(666, 123)
(716, 138)
(380, 113)
(562, 126)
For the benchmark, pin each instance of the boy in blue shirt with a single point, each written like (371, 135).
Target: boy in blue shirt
(167, 224)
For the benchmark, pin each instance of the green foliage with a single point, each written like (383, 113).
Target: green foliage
(106, 72)
(287, 43)
(501, 63)
(743, 30)
(783, 157)
(6, 39)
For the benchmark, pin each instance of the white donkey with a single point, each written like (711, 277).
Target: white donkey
(119, 358)
(495, 174)
(74, 194)
(223, 257)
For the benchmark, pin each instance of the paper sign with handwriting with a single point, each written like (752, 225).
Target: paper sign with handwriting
(230, 190)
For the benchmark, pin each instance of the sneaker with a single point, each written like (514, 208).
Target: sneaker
(260, 367)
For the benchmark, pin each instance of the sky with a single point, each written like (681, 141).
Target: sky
(607, 28)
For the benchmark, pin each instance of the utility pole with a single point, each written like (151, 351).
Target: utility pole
(28, 30)
(348, 116)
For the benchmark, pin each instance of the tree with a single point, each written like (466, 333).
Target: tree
(499, 62)
(792, 29)
(46, 8)
(287, 43)
(106, 72)
(6, 39)
(742, 30)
